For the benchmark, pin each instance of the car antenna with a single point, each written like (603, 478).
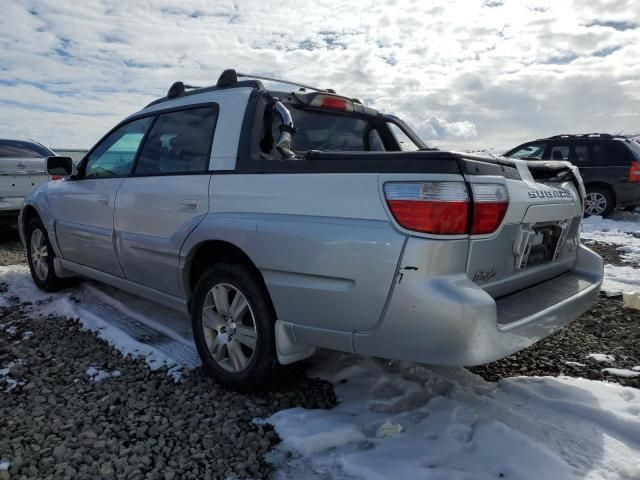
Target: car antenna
(271, 79)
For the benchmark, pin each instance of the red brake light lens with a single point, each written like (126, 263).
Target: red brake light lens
(332, 102)
(56, 177)
(440, 208)
(490, 202)
(634, 172)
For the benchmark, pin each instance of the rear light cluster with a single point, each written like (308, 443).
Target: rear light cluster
(445, 208)
(634, 172)
(332, 102)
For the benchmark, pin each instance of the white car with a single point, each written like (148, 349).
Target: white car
(22, 168)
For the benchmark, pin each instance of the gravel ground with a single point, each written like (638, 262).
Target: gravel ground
(134, 423)
(57, 421)
(11, 249)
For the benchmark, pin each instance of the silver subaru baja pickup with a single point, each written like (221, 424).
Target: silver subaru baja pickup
(286, 221)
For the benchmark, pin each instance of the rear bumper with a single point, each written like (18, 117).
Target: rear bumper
(448, 320)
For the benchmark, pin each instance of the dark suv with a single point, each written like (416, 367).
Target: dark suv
(609, 165)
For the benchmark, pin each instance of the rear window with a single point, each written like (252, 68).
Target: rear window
(332, 132)
(635, 150)
(178, 142)
(17, 149)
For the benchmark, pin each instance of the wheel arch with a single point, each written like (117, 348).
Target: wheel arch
(210, 252)
(604, 185)
(29, 212)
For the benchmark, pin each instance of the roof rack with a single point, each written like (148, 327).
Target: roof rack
(229, 79)
(606, 136)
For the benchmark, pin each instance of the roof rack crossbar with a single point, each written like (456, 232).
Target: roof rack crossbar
(271, 79)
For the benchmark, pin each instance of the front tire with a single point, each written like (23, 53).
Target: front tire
(599, 201)
(40, 257)
(233, 327)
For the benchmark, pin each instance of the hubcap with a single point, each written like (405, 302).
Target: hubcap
(595, 203)
(229, 327)
(39, 254)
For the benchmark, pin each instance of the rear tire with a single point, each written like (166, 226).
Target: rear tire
(233, 327)
(40, 257)
(599, 201)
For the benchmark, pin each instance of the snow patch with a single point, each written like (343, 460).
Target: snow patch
(624, 230)
(621, 372)
(97, 374)
(449, 423)
(602, 358)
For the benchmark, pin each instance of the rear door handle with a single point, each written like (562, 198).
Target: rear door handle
(104, 201)
(189, 205)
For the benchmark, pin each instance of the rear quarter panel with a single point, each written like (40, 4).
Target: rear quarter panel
(323, 243)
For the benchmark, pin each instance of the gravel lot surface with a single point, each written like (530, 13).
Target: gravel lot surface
(57, 421)
(61, 419)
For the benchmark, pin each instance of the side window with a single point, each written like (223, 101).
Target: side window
(179, 142)
(530, 150)
(580, 155)
(611, 153)
(114, 156)
(559, 152)
(406, 144)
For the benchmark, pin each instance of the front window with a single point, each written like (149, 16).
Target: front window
(531, 150)
(114, 156)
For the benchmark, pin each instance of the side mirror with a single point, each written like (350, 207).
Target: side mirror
(59, 166)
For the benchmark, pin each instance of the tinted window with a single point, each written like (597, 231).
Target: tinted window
(179, 142)
(580, 154)
(530, 150)
(610, 153)
(634, 147)
(113, 157)
(559, 152)
(17, 149)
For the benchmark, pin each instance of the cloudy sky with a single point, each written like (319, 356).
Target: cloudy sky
(465, 74)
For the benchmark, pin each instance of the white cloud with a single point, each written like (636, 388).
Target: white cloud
(469, 73)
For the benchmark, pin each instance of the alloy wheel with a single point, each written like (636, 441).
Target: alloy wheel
(595, 203)
(229, 327)
(39, 254)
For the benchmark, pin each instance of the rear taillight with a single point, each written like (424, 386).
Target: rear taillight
(444, 208)
(431, 207)
(490, 202)
(56, 177)
(634, 172)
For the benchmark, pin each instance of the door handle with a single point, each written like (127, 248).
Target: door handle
(104, 201)
(189, 205)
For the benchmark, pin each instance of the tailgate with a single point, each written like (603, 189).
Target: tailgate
(540, 233)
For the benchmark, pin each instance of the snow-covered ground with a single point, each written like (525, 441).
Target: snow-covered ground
(132, 325)
(624, 230)
(408, 421)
